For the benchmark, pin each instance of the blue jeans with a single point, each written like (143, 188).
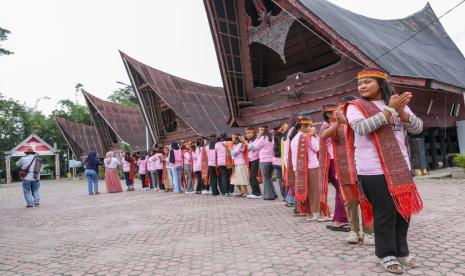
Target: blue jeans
(176, 176)
(31, 187)
(279, 176)
(267, 169)
(126, 177)
(92, 180)
(188, 176)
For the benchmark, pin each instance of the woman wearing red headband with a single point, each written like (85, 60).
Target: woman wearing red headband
(379, 120)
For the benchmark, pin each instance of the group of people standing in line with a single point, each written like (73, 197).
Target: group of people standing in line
(361, 149)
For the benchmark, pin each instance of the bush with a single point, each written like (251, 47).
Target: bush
(459, 160)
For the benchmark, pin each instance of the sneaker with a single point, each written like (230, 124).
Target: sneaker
(29, 206)
(208, 192)
(311, 218)
(353, 237)
(97, 193)
(252, 196)
(323, 219)
(91, 193)
(204, 192)
(368, 239)
(37, 204)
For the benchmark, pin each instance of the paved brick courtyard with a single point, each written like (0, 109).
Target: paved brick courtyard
(147, 233)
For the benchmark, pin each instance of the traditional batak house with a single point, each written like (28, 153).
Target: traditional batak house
(176, 109)
(279, 57)
(81, 138)
(115, 124)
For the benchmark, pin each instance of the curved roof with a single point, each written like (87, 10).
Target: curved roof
(126, 122)
(431, 54)
(201, 107)
(81, 135)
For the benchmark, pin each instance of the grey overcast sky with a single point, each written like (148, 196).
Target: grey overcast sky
(60, 43)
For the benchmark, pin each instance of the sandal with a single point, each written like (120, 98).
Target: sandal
(389, 263)
(342, 228)
(409, 261)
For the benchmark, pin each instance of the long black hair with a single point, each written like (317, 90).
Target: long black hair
(91, 160)
(325, 113)
(295, 130)
(174, 146)
(212, 142)
(266, 133)
(127, 156)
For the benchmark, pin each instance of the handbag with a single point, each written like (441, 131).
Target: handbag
(23, 173)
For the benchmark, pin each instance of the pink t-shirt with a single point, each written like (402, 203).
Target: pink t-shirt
(367, 159)
(151, 163)
(253, 155)
(329, 142)
(220, 148)
(158, 161)
(313, 148)
(277, 161)
(142, 163)
(197, 159)
(177, 159)
(211, 155)
(265, 148)
(238, 154)
(126, 165)
(187, 157)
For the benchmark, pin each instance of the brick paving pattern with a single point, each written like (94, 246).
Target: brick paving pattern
(148, 233)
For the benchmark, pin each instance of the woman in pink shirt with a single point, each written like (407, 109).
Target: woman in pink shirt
(278, 141)
(307, 190)
(175, 161)
(254, 162)
(225, 173)
(264, 146)
(142, 165)
(152, 171)
(126, 169)
(212, 166)
(201, 188)
(187, 167)
(380, 120)
(158, 166)
(240, 177)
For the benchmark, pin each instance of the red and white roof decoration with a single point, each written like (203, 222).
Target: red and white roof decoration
(35, 143)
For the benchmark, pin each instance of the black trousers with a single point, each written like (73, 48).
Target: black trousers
(142, 178)
(161, 186)
(225, 181)
(213, 180)
(254, 165)
(389, 226)
(200, 185)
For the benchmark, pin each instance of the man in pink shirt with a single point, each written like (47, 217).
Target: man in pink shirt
(306, 164)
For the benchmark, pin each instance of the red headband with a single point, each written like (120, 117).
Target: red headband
(372, 74)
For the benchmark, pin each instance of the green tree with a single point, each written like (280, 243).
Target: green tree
(124, 96)
(13, 117)
(3, 36)
(73, 111)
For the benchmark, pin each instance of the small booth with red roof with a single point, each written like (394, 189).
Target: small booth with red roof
(39, 146)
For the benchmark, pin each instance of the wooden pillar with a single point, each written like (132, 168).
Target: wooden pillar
(57, 166)
(8, 169)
